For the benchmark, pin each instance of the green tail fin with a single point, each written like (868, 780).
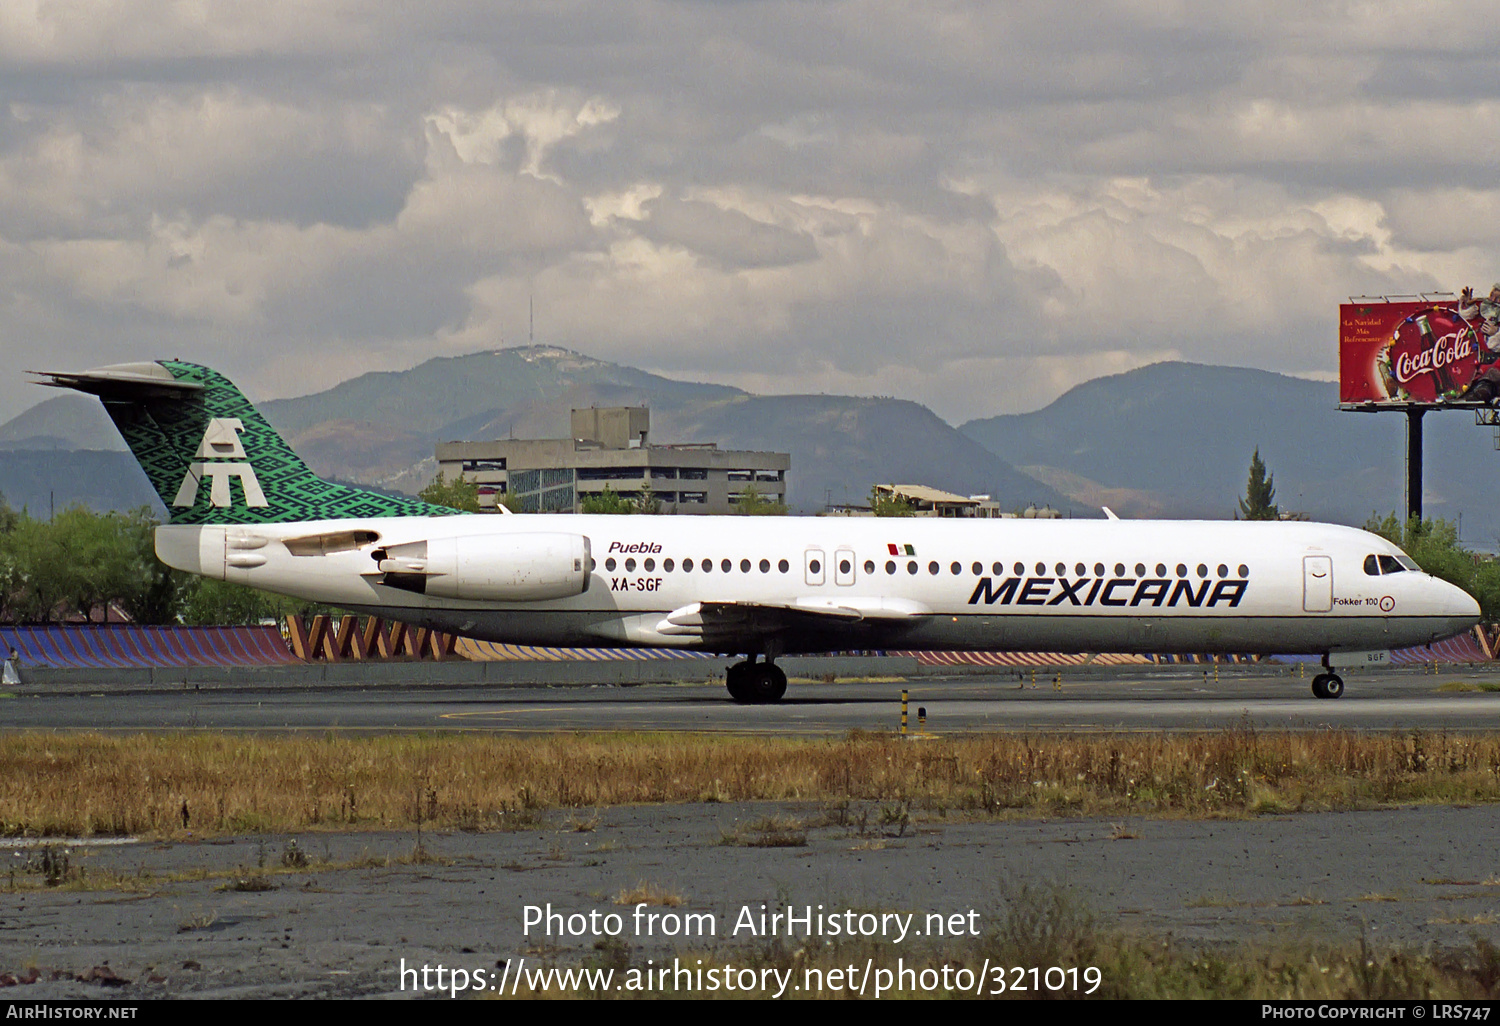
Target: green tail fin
(213, 458)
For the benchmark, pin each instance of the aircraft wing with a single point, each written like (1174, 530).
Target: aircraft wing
(707, 619)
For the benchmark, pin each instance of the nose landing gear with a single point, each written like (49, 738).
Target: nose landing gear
(1328, 684)
(752, 683)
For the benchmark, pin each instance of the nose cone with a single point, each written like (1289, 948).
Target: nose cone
(1457, 607)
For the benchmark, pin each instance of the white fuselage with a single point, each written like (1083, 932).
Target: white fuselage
(908, 583)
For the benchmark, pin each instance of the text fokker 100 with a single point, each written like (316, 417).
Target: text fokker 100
(245, 508)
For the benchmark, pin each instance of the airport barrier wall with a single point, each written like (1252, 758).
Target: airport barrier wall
(1009, 659)
(115, 646)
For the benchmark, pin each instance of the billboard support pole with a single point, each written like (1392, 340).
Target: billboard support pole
(1414, 463)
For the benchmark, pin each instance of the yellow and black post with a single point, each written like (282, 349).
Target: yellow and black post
(904, 696)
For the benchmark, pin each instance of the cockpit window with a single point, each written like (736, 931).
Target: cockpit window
(1377, 565)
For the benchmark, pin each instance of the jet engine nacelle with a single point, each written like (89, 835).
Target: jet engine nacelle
(494, 567)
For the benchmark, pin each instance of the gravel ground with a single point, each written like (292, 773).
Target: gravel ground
(342, 925)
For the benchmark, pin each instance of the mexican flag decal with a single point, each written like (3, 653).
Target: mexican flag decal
(901, 550)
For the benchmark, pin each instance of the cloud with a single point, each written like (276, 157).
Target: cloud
(974, 205)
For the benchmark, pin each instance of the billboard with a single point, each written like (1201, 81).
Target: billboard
(1433, 350)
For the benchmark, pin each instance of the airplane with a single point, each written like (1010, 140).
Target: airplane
(245, 508)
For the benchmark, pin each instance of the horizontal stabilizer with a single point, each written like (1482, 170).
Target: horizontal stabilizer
(123, 381)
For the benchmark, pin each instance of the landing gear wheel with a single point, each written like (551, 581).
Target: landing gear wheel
(1328, 685)
(767, 683)
(755, 683)
(737, 680)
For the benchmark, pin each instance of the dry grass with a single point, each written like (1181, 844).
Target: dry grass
(768, 832)
(78, 785)
(649, 894)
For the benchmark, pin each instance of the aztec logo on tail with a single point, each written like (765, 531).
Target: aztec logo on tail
(222, 439)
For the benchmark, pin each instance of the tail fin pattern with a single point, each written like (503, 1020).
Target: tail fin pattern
(214, 459)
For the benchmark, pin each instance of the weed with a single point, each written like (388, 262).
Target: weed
(201, 921)
(768, 832)
(649, 894)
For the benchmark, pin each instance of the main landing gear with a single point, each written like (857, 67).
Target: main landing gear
(1328, 684)
(752, 683)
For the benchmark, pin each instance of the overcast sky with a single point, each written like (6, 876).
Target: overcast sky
(971, 205)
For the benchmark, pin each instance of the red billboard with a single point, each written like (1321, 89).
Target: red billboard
(1427, 351)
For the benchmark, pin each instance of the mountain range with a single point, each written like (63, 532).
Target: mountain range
(1168, 440)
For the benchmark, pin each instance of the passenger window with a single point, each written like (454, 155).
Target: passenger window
(1119, 569)
(1041, 569)
(744, 566)
(708, 565)
(667, 564)
(1181, 569)
(1080, 570)
(1388, 565)
(869, 566)
(1098, 569)
(890, 566)
(784, 566)
(911, 567)
(978, 569)
(725, 565)
(765, 566)
(1244, 570)
(630, 565)
(649, 565)
(1161, 569)
(1223, 570)
(1202, 570)
(932, 567)
(687, 566)
(1140, 569)
(609, 564)
(957, 568)
(1020, 569)
(998, 569)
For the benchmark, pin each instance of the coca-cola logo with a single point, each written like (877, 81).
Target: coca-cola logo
(1432, 355)
(1445, 351)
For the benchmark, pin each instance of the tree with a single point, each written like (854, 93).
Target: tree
(609, 501)
(1260, 493)
(752, 504)
(889, 505)
(456, 494)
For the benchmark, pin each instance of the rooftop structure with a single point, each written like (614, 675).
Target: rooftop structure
(611, 448)
(934, 502)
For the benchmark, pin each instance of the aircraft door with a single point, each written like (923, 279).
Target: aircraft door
(1317, 584)
(813, 562)
(843, 566)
